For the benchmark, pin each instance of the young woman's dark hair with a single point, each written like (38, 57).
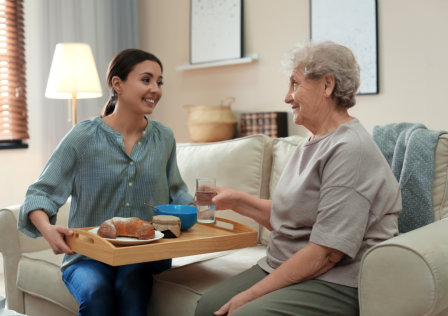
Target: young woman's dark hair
(121, 66)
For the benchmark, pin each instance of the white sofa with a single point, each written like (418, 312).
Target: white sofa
(406, 275)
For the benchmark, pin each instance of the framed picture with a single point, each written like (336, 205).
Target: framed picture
(215, 31)
(352, 23)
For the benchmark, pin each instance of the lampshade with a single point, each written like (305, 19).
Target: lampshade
(73, 73)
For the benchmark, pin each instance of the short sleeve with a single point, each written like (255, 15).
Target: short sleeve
(343, 212)
(341, 220)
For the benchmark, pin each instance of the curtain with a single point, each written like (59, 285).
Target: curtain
(108, 26)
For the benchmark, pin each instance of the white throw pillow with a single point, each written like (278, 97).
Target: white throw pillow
(242, 163)
(282, 149)
(440, 184)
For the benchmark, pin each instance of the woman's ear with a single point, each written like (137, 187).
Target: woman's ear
(329, 85)
(116, 84)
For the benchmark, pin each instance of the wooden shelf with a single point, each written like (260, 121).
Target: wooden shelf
(243, 60)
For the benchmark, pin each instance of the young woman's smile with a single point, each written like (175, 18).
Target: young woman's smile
(142, 89)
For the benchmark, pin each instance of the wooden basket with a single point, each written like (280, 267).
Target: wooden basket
(211, 123)
(209, 113)
(211, 131)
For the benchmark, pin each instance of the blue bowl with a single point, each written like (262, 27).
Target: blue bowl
(187, 213)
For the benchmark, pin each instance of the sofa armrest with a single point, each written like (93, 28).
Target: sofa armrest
(14, 243)
(407, 275)
(10, 249)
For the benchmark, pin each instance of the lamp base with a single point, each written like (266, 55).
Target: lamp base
(71, 110)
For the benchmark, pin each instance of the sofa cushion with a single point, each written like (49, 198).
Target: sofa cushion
(243, 164)
(184, 285)
(440, 184)
(183, 261)
(39, 269)
(282, 148)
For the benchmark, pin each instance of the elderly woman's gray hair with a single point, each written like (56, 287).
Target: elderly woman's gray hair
(317, 59)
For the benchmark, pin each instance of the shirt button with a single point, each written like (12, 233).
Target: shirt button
(127, 204)
(130, 184)
(131, 163)
(139, 143)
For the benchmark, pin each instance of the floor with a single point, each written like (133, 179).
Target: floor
(2, 278)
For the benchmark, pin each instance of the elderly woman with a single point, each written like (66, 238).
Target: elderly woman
(336, 198)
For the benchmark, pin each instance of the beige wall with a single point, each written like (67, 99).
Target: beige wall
(270, 30)
(413, 61)
(413, 50)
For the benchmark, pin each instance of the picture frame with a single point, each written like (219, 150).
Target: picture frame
(215, 30)
(352, 23)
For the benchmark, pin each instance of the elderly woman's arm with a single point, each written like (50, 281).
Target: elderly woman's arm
(307, 263)
(244, 204)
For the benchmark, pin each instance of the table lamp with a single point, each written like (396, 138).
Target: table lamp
(73, 75)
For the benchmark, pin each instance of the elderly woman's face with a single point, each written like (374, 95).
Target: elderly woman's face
(306, 96)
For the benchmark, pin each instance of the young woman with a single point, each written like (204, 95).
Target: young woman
(111, 166)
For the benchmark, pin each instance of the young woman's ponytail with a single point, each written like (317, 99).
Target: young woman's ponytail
(110, 105)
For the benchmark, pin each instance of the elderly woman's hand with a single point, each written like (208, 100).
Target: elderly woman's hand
(226, 198)
(244, 204)
(236, 302)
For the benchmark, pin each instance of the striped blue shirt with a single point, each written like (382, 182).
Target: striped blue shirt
(91, 164)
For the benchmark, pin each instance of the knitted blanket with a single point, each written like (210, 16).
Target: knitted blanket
(409, 150)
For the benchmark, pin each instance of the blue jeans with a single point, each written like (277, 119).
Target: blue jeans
(101, 289)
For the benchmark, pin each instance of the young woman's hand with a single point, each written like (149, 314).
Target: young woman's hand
(55, 236)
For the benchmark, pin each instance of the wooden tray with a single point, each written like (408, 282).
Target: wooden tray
(222, 235)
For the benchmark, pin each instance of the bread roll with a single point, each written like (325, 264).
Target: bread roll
(126, 227)
(167, 224)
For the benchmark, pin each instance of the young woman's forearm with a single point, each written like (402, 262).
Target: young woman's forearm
(53, 234)
(39, 219)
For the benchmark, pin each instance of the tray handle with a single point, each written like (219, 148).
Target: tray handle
(82, 237)
(230, 225)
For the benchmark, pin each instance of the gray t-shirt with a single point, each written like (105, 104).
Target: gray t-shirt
(336, 191)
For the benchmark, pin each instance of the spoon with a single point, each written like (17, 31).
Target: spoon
(152, 206)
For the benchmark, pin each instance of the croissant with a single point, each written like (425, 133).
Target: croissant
(126, 227)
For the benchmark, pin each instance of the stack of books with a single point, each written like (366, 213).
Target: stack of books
(273, 124)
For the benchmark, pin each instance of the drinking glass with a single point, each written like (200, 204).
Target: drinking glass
(205, 191)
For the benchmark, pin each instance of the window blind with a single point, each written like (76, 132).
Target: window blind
(13, 108)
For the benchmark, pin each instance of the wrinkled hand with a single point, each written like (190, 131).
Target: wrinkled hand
(55, 236)
(225, 198)
(204, 195)
(235, 302)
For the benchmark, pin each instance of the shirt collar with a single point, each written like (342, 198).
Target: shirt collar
(99, 120)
